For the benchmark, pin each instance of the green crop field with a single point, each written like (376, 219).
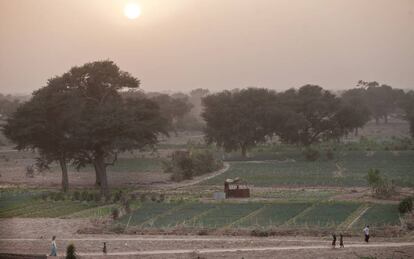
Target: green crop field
(379, 215)
(253, 214)
(29, 205)
(274, 214)
(327, 214)
(226, 214)
(347, 170)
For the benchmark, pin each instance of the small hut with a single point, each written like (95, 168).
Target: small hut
(236, 188)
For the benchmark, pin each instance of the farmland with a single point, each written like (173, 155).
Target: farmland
(349, 169)
(324, 215)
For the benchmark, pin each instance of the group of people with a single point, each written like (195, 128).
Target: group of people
(341, 238)
(341, 242)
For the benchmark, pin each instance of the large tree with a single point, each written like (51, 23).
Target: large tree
(311, 115)
(238, 120)
(43, 124)
(173, 107)
(355, 111)
(381, 99)
(108, 123)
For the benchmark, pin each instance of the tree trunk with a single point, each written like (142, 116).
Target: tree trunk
(65, 178)
(386, 118)
(101, 170)
(376, 120)
(356, 132)
(97, 176)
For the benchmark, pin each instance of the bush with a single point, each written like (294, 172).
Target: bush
(154, 197)
(185, 165)
(118, 196)
(380, 185)
(311, 154)
(71, 252)
(76, 196)
(90, 197)
(97, 197)
(84, 195)
(115, 213)
(406, 205)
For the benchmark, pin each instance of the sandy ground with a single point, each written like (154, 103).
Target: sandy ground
(32, 236)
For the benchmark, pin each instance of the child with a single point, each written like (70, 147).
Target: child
(341, 241)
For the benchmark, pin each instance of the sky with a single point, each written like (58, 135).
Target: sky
(179, 45)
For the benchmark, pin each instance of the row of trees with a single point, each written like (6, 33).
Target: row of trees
(82, 117)
(240, 119)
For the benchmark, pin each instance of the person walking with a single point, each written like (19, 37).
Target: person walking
(341, 241)
(366, 232)
(104, 248)
(333, 240)
(53, 248)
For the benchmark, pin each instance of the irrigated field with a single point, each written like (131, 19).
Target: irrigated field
(256, 214)
(349, 169)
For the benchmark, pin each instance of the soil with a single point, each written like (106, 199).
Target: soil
(32, 236)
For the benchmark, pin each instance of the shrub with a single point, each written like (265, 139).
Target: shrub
(380, 185)
(97, 197)
(76, 196)
(71, 252)
(90, 196)
(84, 195)
(115, 213)
(118, 196)
(185, 164)
(108, 198)
(154, 197)
(406, 205)
(311, 154)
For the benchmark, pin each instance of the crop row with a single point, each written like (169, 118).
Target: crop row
(258, 214)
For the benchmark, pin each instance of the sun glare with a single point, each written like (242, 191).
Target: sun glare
(132, 11)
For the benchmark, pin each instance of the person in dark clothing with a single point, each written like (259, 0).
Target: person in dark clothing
(341, 241)
(333, 240)
(104, 248)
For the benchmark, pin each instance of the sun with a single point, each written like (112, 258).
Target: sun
(132, 11)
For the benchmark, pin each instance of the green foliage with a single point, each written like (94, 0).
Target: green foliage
(84, 195)
(380, 185)
(311, 154)
(77, 196)
(71, 252)
(239, 120)
(185, 164)
(290, 168)
(379, 215)
(406, 205)
(256, 214)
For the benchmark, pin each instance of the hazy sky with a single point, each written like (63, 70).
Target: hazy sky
(180, 45)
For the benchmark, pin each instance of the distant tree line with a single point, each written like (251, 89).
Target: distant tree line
(93, 112)
(241, 119)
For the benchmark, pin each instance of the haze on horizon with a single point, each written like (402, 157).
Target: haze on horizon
(179, 45)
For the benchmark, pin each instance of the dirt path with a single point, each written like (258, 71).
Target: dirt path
(249, 249)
